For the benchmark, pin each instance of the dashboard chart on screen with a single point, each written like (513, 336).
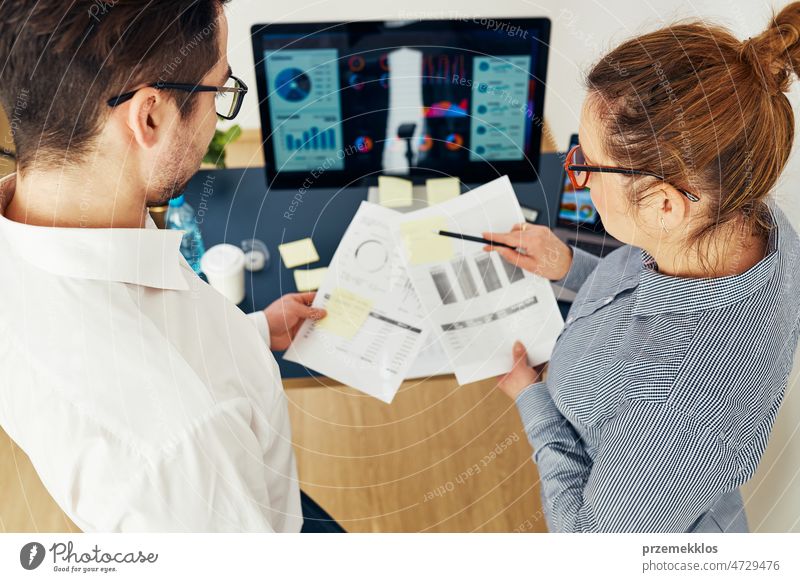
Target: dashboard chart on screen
(345, 102)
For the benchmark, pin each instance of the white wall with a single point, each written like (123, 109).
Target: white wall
(582, 32)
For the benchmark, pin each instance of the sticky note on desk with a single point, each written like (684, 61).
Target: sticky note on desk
(423, 243)
(441, 189)
(299, 252)
(395, 192)
(309, 279)
(347, 312)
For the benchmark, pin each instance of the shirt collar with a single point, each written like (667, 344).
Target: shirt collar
(658, 293)
(143, 256)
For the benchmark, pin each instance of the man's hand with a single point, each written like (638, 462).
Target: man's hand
(521, 375)
(286, 315)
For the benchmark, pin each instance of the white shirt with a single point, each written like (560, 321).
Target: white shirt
(145, 400)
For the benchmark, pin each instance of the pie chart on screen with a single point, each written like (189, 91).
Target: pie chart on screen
(292, 84)
(454, 141)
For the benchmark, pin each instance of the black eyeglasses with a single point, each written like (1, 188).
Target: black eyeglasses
(229, 97)
(578, 171)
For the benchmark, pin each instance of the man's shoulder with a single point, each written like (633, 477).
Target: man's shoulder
(131, 435)
(135, 399)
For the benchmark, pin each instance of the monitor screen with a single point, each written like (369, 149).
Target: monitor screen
(344, 102)
(576, 207)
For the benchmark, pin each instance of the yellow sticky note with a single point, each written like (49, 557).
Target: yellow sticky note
(309, 279)
(423, 243)
(441, 189)
(395, 192)
(299, 252)
(347, 312)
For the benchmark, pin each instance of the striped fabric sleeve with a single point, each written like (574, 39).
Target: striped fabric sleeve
(583, 264)
(657, 469)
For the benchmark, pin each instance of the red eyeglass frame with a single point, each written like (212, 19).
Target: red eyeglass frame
(571, 168)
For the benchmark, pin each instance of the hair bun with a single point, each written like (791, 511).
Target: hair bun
(775, 53)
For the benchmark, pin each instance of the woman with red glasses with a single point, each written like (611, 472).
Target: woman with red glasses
(663, 387)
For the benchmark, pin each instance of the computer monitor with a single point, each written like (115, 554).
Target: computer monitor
(342, 103)
(575, 207)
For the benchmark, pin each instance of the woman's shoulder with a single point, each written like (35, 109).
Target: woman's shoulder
(780, 300)
(787, 240)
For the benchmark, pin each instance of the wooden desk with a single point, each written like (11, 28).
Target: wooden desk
(25, 505)
(439, 458)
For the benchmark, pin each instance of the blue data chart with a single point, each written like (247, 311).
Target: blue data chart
(313, 139)
(293, 84)
(500, 101)
(305, 108)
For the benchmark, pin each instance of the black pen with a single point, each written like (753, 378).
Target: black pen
(477, 239)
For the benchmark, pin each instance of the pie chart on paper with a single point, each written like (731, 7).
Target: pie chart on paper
(371, 256)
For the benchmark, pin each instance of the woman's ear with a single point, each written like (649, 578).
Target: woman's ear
(673, 206)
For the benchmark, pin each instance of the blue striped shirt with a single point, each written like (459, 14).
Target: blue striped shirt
(662, 391)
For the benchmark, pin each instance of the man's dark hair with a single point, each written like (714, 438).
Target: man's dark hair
(60, 61)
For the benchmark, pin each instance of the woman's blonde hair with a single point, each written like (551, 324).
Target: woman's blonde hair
(706, 111)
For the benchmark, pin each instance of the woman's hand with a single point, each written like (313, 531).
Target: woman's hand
(544, 254)
(521, 375)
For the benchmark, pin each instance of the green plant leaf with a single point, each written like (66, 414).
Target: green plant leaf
(233, 133)
(216, 149)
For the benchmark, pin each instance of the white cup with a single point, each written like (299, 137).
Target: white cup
(224, 267)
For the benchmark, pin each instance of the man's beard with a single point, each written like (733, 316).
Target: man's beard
(173, 180)
(162, 195)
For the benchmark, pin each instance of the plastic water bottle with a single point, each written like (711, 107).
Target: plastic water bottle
(180, 216)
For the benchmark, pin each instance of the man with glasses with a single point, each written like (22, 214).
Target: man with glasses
(145, 400)
(229, 97)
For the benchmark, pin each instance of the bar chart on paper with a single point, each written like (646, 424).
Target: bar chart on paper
(468, 277)
(477, 303)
